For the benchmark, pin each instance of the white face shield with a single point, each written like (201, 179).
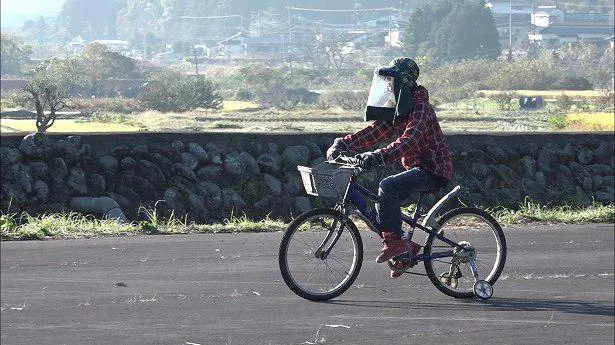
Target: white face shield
(381, 101)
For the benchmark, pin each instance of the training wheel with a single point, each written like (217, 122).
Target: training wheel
(483, 289)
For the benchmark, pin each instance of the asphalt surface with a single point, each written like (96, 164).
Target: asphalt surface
(557, 288)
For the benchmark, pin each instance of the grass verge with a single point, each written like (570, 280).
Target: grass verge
(533, 212)
(73, 225)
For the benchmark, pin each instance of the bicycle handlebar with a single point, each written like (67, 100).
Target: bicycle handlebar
(344, 159)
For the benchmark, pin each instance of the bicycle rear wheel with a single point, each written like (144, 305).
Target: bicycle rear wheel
(483, 239)
(307, 268)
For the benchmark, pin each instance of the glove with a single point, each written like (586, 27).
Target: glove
(336, 149)
(368, 160)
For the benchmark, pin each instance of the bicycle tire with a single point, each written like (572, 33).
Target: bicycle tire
(483, 252)
(291, 277)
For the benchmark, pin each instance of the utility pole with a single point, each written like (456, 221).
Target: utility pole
(144, 46)
(290, 45)
(196, 62)
(390, 41)
(510, 31)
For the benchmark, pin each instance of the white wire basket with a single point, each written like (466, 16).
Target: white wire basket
(326, 180)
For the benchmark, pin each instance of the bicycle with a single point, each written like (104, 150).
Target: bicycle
(321, 252)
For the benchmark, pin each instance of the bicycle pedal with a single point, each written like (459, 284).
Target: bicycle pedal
(402, 265)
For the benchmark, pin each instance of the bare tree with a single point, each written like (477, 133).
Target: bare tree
(50, 88)
(326, 48)
(337, 48)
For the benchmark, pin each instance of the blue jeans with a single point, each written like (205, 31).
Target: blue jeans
(395, 188)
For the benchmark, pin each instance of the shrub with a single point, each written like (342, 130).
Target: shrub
(105, 117)
(302, 95)
(201, 93)
(115, 105)
(583, 105)
(173, 91)
(503, 100)
(323, 103)
(347, 100)
(456, 81)
(605, 100)
(563, 102)
(573, 83)
(557, 121)
(16, 100)
(243, 95)
(265, 83)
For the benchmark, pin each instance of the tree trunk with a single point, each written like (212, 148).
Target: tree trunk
(40, 111)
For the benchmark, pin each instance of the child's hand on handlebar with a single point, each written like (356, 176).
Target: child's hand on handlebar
(345, 158)
(368, 160)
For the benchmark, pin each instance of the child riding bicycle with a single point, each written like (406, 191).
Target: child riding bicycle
(400, 109)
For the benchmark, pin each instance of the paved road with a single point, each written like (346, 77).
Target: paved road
(557, 288)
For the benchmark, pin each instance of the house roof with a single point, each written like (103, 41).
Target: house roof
(502, 19)
(586, 18)
(570, 31)
(268, 39)
(239, 34)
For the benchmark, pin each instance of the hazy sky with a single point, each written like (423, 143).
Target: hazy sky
(15, 12)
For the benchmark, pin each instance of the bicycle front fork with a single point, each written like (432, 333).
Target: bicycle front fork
(323, 250)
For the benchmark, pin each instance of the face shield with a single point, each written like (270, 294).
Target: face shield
(381, 100)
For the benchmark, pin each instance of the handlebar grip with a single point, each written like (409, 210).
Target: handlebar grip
(346, 159)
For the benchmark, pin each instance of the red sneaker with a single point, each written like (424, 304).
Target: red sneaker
(399, 267)
(392, 245)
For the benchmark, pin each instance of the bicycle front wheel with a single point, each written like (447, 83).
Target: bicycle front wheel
(319, 260)
(484, 243)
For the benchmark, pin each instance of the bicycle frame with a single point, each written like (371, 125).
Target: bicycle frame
(355, 195)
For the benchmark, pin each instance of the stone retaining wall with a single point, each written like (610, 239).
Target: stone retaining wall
(208, 176)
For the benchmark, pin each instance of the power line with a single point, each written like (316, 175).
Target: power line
(212, 17)
(356, 10)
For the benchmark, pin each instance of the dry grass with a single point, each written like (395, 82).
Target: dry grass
(64, 126)
(591, 121)
(546, 94)
(237, 116)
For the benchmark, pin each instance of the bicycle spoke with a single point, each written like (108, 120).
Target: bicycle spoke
(310, 276)
(336, 259)
(345, 272)
(328, 277)
(473, 228)
(334, 271)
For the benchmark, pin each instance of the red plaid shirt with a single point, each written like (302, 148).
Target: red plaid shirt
(420, 141)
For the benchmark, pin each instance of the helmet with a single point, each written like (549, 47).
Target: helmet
(402, 68)
(385, 106)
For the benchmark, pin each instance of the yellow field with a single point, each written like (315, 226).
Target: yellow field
(551, 94)
(591, 121)
(64, 126)
(230, 106)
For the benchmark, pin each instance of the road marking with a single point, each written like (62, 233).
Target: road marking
(337, 326)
